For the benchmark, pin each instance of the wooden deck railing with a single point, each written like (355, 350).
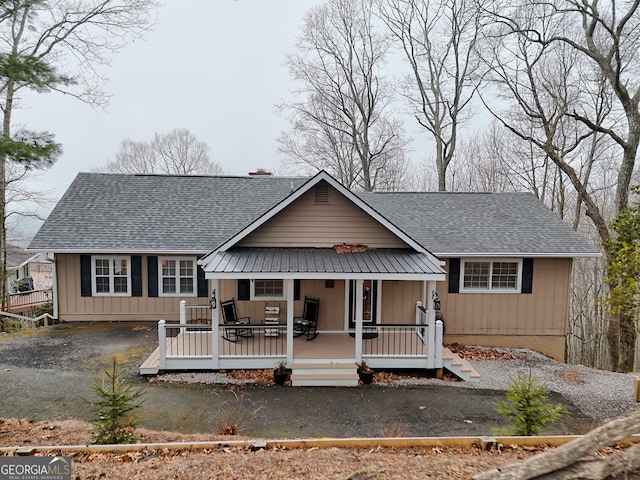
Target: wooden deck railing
(22, 301)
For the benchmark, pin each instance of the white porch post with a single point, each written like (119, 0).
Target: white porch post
(288, 287)
(183, 315)
(358, 320)
(425, 292)
(215, 322)
(183, 311)
(162, 345)
(431, 330)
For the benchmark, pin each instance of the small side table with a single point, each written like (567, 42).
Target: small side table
(271, 317)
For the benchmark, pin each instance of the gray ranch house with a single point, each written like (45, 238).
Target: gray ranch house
(247, 272)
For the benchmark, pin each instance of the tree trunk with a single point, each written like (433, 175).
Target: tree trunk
(598, 469)
(544, 464)
(6, 134)
(627, 343)
(624, 324)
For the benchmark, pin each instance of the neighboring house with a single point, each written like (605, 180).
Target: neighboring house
(131, 247)
(19, 269)
(28, 280)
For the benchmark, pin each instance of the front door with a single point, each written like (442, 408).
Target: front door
(369, 302)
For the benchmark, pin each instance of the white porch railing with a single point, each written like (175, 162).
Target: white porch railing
(190, 344)
(187, 346)
(416, 345)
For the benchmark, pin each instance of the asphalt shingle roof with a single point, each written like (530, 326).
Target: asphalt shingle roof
(161, 213)
(479, 223)
(175, 214)
(16, 257)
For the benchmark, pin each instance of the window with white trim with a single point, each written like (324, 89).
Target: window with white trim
(177, 276)
(267, 289)
(503, 275)
(111, 276)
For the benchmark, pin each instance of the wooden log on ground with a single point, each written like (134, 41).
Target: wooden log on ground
(562, 457)
(618, 463)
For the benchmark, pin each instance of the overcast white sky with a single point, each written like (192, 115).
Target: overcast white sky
(213, 67)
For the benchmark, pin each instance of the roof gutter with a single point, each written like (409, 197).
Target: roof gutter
(437, 277)
(517, 255)
(129, 251)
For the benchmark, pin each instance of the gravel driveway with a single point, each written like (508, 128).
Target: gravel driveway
(45, 372)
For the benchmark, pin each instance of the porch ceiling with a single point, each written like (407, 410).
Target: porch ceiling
(392, 264)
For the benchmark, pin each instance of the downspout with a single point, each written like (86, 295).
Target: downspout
(54, 286)
(215, 323)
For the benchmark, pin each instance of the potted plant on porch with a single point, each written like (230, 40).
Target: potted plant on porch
(281, 373)
(365, 373)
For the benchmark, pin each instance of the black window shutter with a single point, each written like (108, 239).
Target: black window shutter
(244, 289)
(85, 275)
(203, 285)
(527, 275)
(296, 289)
(454, 275)
(152, 267)
(136, 276)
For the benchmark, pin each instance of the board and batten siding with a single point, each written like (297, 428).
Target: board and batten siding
(330, 313)
(399, 299)
(73, 307)
(537, 320)
(307, 223)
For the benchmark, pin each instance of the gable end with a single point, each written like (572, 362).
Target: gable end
(321, 218)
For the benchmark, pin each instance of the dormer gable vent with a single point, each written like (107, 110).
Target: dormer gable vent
(321, 193)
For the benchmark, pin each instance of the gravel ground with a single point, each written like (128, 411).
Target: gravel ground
(599, 394)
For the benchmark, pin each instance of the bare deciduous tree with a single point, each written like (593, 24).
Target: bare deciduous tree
(38, 37)
(178, 152)
(23, 204)
(439, 43)
(343, 120)
(552, 56)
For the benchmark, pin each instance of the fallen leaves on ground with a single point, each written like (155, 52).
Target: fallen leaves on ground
(477, 353)
(238, 462)
(263, 377)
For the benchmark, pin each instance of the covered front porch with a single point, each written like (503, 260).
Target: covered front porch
(373, 305)
(329, 359)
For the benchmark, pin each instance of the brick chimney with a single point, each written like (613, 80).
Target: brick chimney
(261, 172)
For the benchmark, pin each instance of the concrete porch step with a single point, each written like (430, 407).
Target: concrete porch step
(459, 366)
(324, 375)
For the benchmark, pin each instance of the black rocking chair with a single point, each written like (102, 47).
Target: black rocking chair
(307, 324)
(230, 317)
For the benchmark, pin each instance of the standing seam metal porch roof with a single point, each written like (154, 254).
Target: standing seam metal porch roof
(322, 260)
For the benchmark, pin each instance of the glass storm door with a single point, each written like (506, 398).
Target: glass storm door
(369, 301)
